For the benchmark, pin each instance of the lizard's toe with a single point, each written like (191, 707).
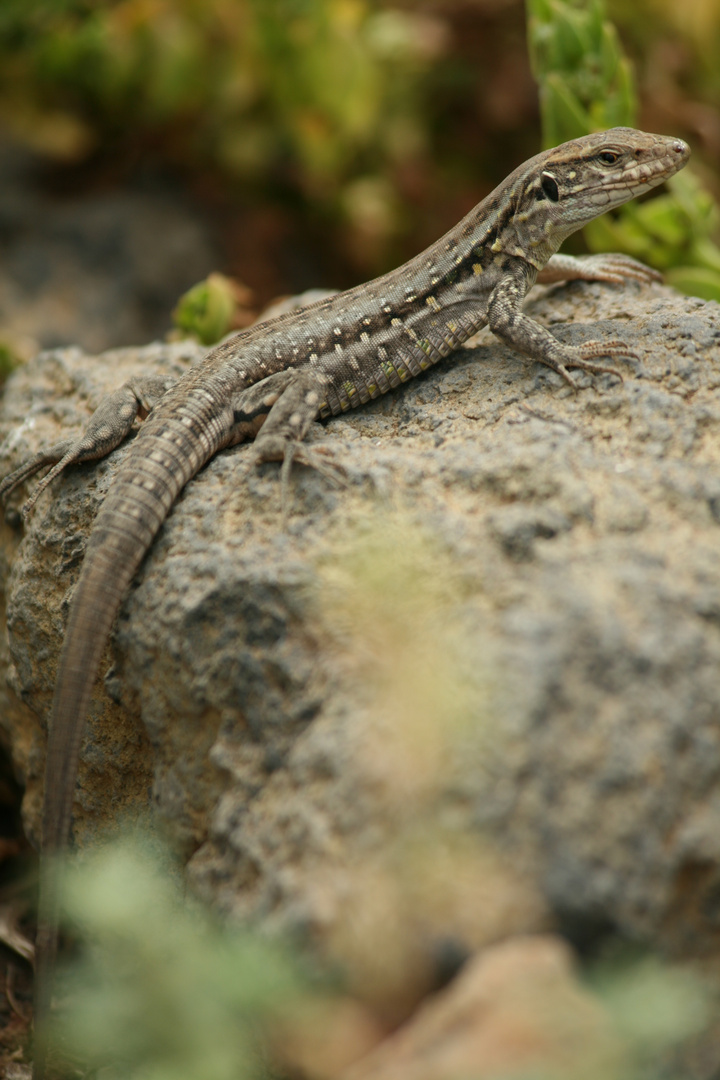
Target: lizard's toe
(323, 460)
(617, 269)
(584, 357)
(607, 348)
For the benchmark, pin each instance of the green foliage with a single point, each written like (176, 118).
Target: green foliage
(315, 88)
(671, 231)
(206, 312)
(586, 84)
(161, 991)
(9, 360)
(653, 1005)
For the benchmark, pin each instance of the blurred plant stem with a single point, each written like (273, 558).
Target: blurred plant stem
(586, 84)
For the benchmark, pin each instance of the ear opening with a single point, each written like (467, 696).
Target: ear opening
(549, 186)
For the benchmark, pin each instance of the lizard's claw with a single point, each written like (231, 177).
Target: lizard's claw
(291, 452)
(29, 468)
(582, 359)
(313, 457)
(298, 452)
(604, 348)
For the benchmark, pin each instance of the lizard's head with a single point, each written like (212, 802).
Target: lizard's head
(579, 180)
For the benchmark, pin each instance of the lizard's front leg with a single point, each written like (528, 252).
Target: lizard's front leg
(106, 429)
(511, 325)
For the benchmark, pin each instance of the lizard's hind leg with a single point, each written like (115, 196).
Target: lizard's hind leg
(106, 429)
(283, 407)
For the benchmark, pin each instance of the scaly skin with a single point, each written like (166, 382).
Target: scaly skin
(272, 381)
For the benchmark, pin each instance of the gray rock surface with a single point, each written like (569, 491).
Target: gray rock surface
(502, 637)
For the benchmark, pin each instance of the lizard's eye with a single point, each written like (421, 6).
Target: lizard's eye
(608, 157)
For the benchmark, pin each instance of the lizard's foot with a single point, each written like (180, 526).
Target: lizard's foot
(518, 330)
(617, 269)
(290, 400)
(298, 452)
(320, 458)
(291, 452)
(611, 267)
(581, 359)
(47, 479)
(107, 428)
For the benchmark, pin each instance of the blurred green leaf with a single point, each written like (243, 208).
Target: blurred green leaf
(654, 1004)
(161, 990)
(9, 360)
(565, 114)
(209, 310)
(586, 84)
(695, 281)
(585, 81)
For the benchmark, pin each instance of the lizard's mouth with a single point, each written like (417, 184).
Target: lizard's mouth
(647, 174)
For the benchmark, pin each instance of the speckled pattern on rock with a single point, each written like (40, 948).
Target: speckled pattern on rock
(587, 530)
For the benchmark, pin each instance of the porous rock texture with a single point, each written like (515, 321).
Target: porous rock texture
(582, 533)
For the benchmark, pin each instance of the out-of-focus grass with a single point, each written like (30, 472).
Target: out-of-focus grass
(161, 991)
(388, 595)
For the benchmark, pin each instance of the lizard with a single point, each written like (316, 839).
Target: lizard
(270, 382)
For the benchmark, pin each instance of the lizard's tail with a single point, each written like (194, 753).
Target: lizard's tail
(97, 598)
(147, 484)
(114, 552)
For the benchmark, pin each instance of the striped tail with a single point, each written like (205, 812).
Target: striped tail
(168, 451)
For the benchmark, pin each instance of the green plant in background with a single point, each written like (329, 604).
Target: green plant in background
(212, 308)
(162, 992)
(302, 94)
(9, 360)
(654, 1005)
(586, 84)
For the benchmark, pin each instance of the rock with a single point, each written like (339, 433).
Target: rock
(323, 1037)
(515, 1010)
(473, 693)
